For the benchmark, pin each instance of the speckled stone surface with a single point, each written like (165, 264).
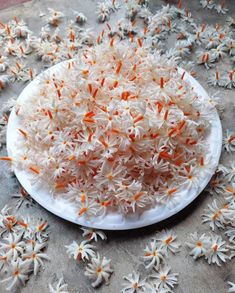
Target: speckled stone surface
(124, 248)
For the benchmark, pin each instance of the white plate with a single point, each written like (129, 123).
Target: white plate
(112, 221)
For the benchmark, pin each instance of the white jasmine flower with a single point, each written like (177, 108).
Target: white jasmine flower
(4, 81)
(154, 254)
(91, 234)
(217, 102)
(230, 46)
(54, 17)
(80, 251)
(132, 8)
(220, 8)
(19, 271)
(99, 270)
(207, 4)
(45, 33)
(230, 232)
(215, 79)
(3, 63)
(229, 141)
(16, 70)
(13, 246)
(217, 251)
(80, 17)
(40, 230)
(216, 184)
(230, 21)
(230, 174)
(20, 29)
(205, 58)
(145, 14)
(215, 216)
(163, 279)
(102, 11)
(229, 79)
(7, 221)
(232, 288)
(22, 196)
(167, 240)
(198, 245)
(133, 284)
(34, 255)
(230, 192)
(60, 287)
(27, 75)
(218, 52)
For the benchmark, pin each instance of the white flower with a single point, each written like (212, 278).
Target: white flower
(54, 17)
(215, 216)
(102, 11)
(35, 256)
(220, 8)
(80, 251)
(163, 279)
(215, 79)
(28, 74)
(205, 58)
(230, 174)
(229, 79)
(20, 29)
(18, 275)
(198, 245)
(133, 284)
(91, 234)
(216, 184)
(12, 245)
(80, 17)
(229, 141)
(154, 254)
(167, 240)
(217, 251)
(99, 270)
(40, 230)
(60, 287)
(230, 192)
(218, 52)
(230, 232)
(132, 8)
(4, 81)
(3, 63)
(207, 4)
(22, 196)
(232, 288)
(7, 221)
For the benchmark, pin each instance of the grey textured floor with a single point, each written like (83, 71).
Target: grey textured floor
(124, 248)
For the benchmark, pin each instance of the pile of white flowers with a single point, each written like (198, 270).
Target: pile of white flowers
(159, 276)
(22, 246)
(117, 128)
(98, 268)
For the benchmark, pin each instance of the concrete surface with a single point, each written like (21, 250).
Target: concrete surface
(124, 248)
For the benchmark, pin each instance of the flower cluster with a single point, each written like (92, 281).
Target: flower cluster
(21, 248)
(211, 247)
(98, 268)
(160, 278)
(211, 5)
(126, 134)
(220, 215)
